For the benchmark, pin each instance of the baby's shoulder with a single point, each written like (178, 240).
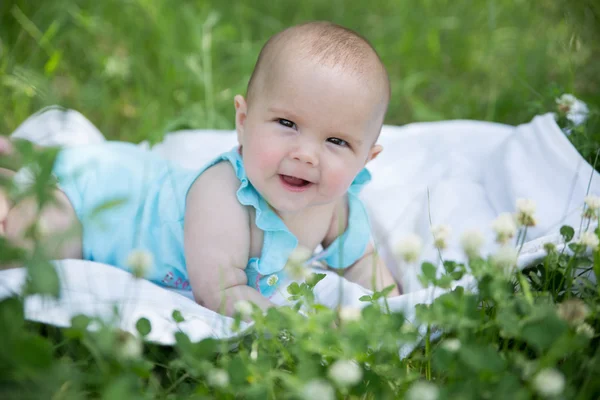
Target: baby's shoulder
(221, 173)
(214, 192)
(217, 181)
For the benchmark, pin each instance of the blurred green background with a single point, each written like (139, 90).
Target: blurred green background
(140, 68)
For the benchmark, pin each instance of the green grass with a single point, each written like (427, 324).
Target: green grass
(140, 68)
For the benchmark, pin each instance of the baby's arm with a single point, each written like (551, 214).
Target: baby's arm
(217, 242)
(369, 271)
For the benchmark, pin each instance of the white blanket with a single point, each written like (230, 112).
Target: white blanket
(470, 171)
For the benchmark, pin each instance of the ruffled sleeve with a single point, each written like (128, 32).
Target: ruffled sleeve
(265, 272)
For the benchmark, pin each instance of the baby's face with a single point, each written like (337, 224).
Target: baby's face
(307, 133)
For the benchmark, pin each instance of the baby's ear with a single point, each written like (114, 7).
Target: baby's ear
(240, 115)
(375, 150)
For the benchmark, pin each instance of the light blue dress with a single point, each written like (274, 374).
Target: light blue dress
(128, 198)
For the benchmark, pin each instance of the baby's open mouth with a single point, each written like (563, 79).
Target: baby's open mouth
(293, 181)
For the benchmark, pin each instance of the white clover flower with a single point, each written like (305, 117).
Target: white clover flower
(140, 262)
(272, 280)
(589, 239)
(525, 212)
(422, 390)
(441, 234)
(575, 110)
(298, 272)
(505, 258)
(130, 346)
(409, 248)
(593, 206)
(574, 311)
(565, 101)
(243, 307)
(345, 373)
(592, 201)
(295, 266)
(505, 227)
(472, 241)
(318, 389)
(350, 314)
(117, 67)
(586, 330)
(526, 206)
(300, 255)
(549, 382)
(451, 345)
(217, 378)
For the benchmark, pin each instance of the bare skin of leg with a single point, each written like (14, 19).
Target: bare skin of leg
(4, 208)
(56, 218)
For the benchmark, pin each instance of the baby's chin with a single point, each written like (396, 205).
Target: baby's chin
(289, 208)
(285, 207)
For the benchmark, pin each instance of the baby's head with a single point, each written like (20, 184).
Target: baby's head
(315, 105)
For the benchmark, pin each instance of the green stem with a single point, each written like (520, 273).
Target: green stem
(569, 272)
(587, 377)
(546, 273)
(428, 353)
(587, 227)
(519, 234)
(522, 239)
(177, 383)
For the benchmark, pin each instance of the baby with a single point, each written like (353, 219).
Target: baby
(314, 108)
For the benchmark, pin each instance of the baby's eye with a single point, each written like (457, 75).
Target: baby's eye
(287, 123)
(338, 142)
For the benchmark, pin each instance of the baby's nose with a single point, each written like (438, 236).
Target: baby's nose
(306, 154)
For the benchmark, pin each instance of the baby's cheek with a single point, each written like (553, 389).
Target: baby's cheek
(266, 161)
(339, 182)
(267, 156)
